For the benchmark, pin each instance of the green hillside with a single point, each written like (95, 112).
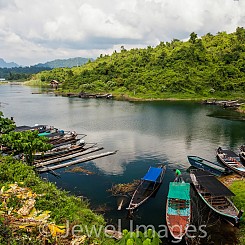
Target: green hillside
(210, 66)
(78, 61)
(16, 73)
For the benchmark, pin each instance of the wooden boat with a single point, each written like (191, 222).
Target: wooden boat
(178, 209)
(211, 167)
(147, 187)
(57, 151)
(37, 127)
(52, 134)
(231, 160)
(59, 138)
(242, 153)
(215, 195)
(122, 200)
(73, 141)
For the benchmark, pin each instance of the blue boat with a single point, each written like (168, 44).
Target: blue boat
(149, 184)
(206, 165)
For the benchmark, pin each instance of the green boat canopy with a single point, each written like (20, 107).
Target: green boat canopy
(179, 190)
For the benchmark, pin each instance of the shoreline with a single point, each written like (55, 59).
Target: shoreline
(126, 97)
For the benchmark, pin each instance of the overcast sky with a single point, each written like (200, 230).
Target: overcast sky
(34, 31)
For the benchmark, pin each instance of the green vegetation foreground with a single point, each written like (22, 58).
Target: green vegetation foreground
(52, 209)
(238, 187)
(212, 66)
(33, 211)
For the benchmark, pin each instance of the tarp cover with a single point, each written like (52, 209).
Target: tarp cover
(25, 128)
(45, 134)
(152, 174)
(213, 185)
(179, 190)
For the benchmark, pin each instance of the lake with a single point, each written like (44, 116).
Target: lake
(144, 133)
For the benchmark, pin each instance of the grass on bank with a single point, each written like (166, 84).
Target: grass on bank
(238, 187)
(61, 205)
(121, 94)
(37, 82)
(242, 109)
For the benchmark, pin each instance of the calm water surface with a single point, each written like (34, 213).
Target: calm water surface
(144, 133)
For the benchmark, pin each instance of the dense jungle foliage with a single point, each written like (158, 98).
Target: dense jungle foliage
(78, 61)
(17, 73)
(210, 66)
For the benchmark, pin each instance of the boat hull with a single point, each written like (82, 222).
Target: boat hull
(206, 165)
(141, 195)
(231, 162)
(178, 209)
(242, 156)
(144, 191)
(53, 153)
(177, 225)
(233, 220)
(228, 212)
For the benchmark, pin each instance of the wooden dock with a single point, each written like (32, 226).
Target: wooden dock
(85, 159)
(61, 159)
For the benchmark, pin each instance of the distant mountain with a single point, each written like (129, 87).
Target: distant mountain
(78, 61)
(4, 64)
(16, 73)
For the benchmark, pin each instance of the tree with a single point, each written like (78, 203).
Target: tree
(193, 37)
(240, 33)
(174, 67)
(123, 49)
(6, 124)
(27, 143)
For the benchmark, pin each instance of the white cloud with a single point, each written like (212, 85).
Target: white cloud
(7, 4)
(36, 31)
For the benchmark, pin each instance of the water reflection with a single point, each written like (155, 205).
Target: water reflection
(144, 133)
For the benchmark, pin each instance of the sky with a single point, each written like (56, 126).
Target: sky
(37, 31)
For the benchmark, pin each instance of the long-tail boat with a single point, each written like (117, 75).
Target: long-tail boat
(178, 209)
(56, 151)
(242, 153)
(211, 167)
(147, 187)
(215, 195)
(231, 160)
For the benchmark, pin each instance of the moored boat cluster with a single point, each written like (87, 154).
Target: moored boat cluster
(88, 95)
(204, 177)
(224, 103)
(67, 148)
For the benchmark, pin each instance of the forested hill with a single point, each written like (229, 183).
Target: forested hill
(78, 61)
(210, 66)
(16, 73)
